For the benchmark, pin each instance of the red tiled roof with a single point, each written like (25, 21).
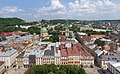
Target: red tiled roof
(6, 33)
(102, 35)
(86, 38)
(76, 49)
(64, 52)
(73, 51)
(82, 50)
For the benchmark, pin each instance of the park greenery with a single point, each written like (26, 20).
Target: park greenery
(8, 24)
(90, 32)
(53, 69)
(99, 42)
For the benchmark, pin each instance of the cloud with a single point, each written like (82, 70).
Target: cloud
(105, 6)
(10, 9)
(56, 7)
(81, 6)
(91, 8)
(73, 9)
(79, 9)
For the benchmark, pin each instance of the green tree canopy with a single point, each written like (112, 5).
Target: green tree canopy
(53, 69)
(99, 42)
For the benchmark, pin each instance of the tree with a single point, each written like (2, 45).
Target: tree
(50, 73)
(81, 71)
(4, 38)
(60, 72)
(99, 42)
(53, 69)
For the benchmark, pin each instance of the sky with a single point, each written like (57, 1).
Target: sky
(61, 9)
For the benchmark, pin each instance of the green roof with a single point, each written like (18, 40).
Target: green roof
(43, 30)
(71, 36)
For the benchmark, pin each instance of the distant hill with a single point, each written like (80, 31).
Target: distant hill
(110, 20)
(10, 21)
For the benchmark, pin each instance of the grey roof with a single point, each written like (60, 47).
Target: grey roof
(115, 64)
(99, 52)
(20, 55)
(37, 52)
(8, 53)
(111, 56)
(49, 53)
(4, 42)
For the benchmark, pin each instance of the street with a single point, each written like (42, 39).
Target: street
(15, 71)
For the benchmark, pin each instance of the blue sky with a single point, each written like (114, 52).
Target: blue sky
(61, 9)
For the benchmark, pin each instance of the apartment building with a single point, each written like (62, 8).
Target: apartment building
(114, 67)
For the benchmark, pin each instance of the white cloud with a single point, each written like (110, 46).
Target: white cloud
(56, 7)
(92, 9)
(56, 4)
(9, 9)
(82, 6)
(105, 6)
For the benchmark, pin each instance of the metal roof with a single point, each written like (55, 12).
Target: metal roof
(99, 52)
(4, 42)
(49, 53)
(8, 53)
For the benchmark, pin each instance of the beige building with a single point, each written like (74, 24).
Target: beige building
(19, 60)
(106, 57)
(2, 67)
(48, 57)
(87, 61)
(8, 56)
(59, 53)
(76, 54)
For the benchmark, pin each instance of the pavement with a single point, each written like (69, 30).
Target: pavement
(91, 71)
(15, 71)
(96, 70)
(103, 71)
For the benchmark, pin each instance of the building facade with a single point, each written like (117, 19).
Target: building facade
(8, 56)
(114, 67)
(2, 67)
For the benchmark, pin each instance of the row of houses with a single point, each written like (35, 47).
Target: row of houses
(59, 53)
(102, 54)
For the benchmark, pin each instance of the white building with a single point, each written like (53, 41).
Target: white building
(8, 56)
(39, 56)
(114, 67)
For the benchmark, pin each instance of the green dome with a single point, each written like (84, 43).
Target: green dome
(43, 30)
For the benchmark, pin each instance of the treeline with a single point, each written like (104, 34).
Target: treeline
(54, 22)
(14, 21)
(10, 21)
(53, 69)
(90, 32)
(8, 24)
(12, 29)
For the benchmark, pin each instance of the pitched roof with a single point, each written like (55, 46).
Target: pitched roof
(6, 33)
(49, 53)
(64, 52)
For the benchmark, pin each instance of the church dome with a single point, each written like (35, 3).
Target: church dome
(43, 30)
